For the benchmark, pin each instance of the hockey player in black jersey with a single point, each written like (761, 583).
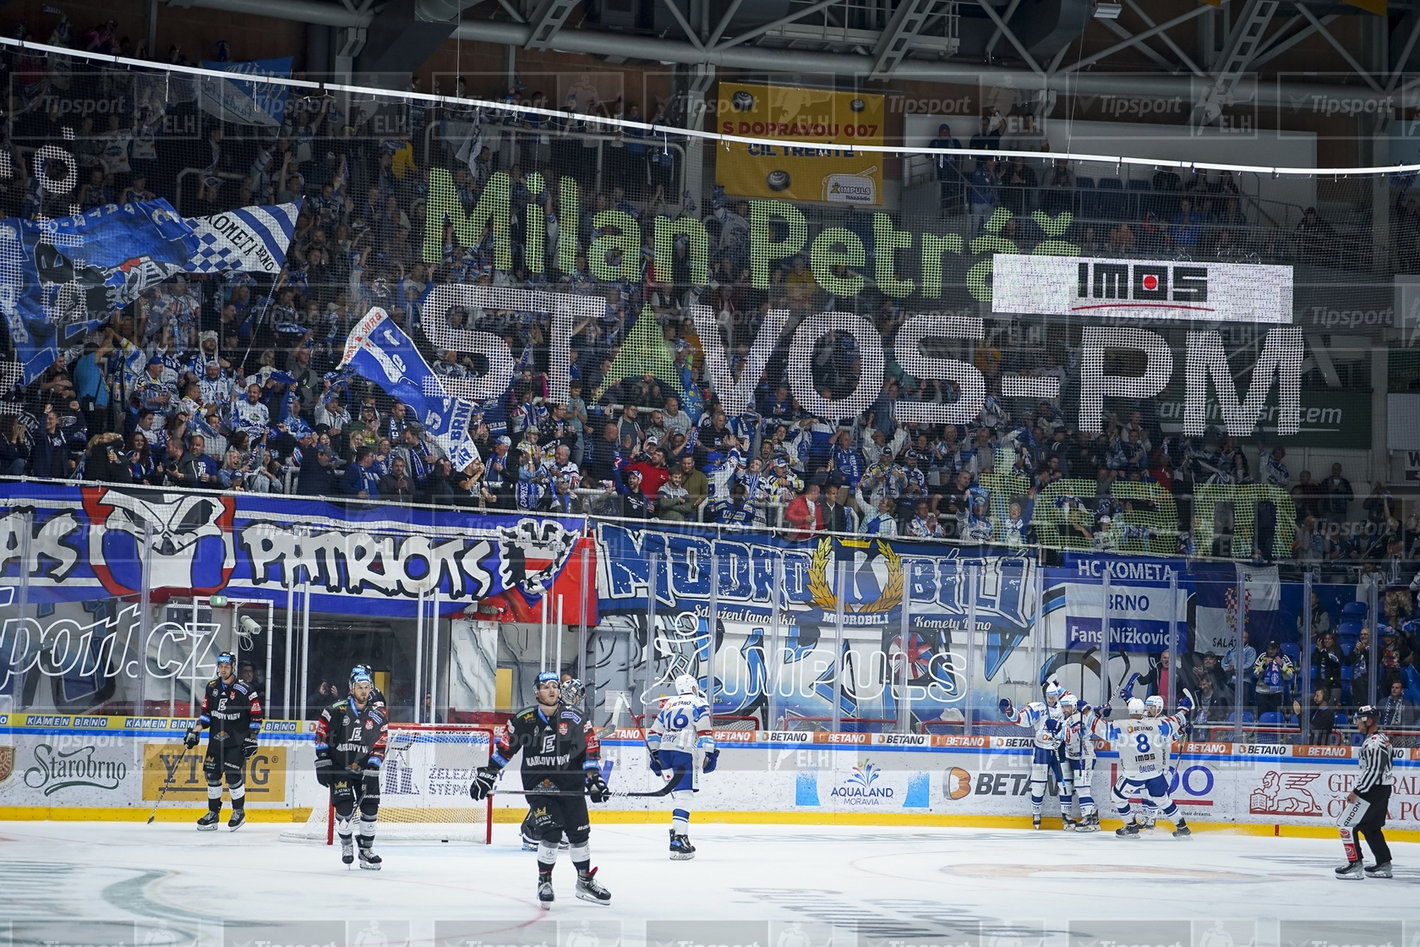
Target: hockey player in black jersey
(350, 749)
(377, 696)
(572, 690)
(560, 763)
(231, 715)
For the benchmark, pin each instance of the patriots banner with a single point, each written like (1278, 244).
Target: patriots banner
(246, 102)
(380, 351)
(115, 542)
(66, 276)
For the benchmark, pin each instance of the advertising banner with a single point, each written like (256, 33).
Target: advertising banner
(1142, 289)
(791, 113)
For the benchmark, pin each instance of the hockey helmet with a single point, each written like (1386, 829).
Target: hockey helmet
(226, 657)
(572, 691)
(1154, 704)
(546, 677)
(1055, 691)
(1068, 699)
(687, 684)
(1136, 707)
(1368, 712)
(360, 674)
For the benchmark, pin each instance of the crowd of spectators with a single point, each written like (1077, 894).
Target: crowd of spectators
(225, 383)
(1194, 215)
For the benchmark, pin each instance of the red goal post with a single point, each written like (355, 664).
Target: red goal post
(423, 788)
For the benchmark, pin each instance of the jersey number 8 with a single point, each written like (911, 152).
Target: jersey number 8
(1141, 741)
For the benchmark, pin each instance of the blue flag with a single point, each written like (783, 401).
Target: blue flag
(380, 351)
(244, 101)
(63, 279)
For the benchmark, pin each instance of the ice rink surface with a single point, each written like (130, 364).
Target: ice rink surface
(772, 886)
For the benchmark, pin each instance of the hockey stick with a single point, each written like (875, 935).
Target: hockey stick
(163, 791)
(615, 793)
(1127, 691)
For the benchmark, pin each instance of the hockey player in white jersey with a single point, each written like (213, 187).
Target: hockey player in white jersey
(680, 733)
(1047, 720)
(1080, 756)
(1154, 707)
(1142, 743)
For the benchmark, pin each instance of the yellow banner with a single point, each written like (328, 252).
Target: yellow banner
(791, 114)
(164, 764)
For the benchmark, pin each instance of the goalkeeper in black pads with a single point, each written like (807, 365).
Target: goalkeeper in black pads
(350, 749)
(560, 764)
(231, 715)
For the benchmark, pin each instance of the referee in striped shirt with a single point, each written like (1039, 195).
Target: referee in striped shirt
(1366, 804)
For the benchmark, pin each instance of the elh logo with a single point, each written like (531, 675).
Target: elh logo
(1141, 285)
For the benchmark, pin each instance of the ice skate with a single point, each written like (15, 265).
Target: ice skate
(1128, 830)
(1090, 823)
(1035, 821)
(681, 849)
(238, 819)
(347, 851)
(1351, 871)
(545, 895)
(208, 822)
(589, 889)
(1380, 870)
(1182, 830)
(369, 860)
(1068, 824)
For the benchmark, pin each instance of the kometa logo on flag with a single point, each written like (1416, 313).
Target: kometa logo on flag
(379, 351)
(66, 276)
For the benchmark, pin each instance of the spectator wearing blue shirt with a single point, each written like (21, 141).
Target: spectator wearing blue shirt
(1187, 225)
(361, 479)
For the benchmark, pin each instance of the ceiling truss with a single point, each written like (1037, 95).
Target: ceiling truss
(920, 40)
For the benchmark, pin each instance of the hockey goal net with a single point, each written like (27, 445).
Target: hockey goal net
(423, 788)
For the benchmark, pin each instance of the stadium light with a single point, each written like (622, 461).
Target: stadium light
(1107, 11)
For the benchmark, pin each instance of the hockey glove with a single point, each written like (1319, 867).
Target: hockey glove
(482, 783)
(1104, 710)
(248, 748)
(1052, 725)
(325, 771)
(596, 787)
(656, 762)
(712, 759)
(1185, 703)
(191, 739)
(1008, 709)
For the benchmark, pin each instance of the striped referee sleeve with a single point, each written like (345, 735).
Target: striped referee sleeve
(1375, 763)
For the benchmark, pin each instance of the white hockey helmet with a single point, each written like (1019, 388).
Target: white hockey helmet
(687, 684)
(1154, 704)
(1068, 699)
(1055, 691)
(1136, 707)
